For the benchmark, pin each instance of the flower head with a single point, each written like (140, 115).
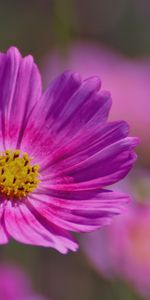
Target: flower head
(57, 155)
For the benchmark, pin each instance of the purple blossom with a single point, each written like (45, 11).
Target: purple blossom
(58, 154)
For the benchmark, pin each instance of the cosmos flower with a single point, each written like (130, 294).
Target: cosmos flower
(14, 285)
(58, 154)
(126, 78)
(122, 250)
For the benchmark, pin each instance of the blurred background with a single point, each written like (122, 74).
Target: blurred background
(110, 39)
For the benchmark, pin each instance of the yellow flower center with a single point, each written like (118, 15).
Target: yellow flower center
(17, 176)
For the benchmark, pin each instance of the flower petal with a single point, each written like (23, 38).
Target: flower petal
(85, 144)
(101, 157)
(80, 210)
(4, 236)
(105, 167)
(67, 106)
(26, 227)
(38, 137)
(65, 96)
(20, 89)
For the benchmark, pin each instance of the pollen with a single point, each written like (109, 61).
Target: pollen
(18, 177)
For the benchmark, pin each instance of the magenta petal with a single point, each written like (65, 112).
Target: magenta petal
(114, 161)
(56, 98)
(39, 135)
(20, 89)
(87, 89)
(24, 226)
(88, 211)
(4, 236)
(68, 104)
(105, 167)
(86, 144)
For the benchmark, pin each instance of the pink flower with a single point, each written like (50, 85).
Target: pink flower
(14, 285)
(58, 153)
(127, 79)
(123, 249)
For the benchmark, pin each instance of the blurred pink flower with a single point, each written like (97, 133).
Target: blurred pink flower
(127, 79)
(123, 249)
(14, 285)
